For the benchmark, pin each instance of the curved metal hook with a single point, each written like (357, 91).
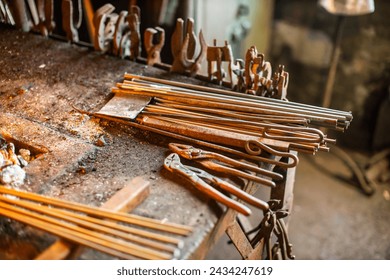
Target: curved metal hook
(255, 147)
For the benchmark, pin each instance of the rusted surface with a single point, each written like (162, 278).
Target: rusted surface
(86, 159)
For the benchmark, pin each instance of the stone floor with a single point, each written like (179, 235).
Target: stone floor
(331, 219)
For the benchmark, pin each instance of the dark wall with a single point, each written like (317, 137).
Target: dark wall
(361, 83)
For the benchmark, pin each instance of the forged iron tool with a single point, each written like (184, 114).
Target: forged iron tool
(205, 158)
(203, 181)
(72, 15)
(5, 13)
(125, 110)
(126, 39)
(133, 20)
(104, 21)
(183, 46)
(119, 46)
(271, 225)
(153, 50)
(217, 54)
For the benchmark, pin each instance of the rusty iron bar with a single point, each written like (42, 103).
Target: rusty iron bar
(108, 244)
(238, 135)
(75, 219)
(187, 139)
(225, 102)
(311, 134)
(234, 95)
(96, 212)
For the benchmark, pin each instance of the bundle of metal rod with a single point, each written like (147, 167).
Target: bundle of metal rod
(314, 115)
(234, 119)
(94, 227)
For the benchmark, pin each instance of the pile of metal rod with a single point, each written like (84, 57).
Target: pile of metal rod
(234, 119)
(94, 227)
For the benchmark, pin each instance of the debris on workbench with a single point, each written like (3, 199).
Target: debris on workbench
(94, 227)
(11, 164)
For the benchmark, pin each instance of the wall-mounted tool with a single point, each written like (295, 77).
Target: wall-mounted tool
(5, 13)
(184, 45)
(126, 39)
(217, 55)
(72, 15)
(153, 50)
(104, 21)
(133, 20)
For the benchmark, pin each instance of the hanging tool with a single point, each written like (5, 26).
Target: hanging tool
(272, 225)
(183, 46)
(121, 28)
(72, 15)
(134, 21)
(217, 55)
(204, 182)
(104, 21)
(126, 39)
(5, 13)
(153, 50)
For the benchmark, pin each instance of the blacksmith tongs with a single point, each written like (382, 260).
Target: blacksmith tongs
(205, 158)
(203, 181)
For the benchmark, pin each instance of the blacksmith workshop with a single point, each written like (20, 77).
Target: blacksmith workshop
(194, 130)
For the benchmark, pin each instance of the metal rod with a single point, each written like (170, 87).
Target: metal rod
(94, 211)
(231, 94)
(217, 103)
(31, 219)
(266, 107)
(75, 218)
(194, 141)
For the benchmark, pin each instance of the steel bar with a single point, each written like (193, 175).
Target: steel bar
(227, 113)
(94, 211)
(232, 95)
(306, 134)
(220, 134)
(223, 103)
(164, 109)
(87, 238)
(255, 158)
(75, 219)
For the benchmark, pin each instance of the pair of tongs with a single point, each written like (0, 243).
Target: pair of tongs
(204, 182)
(230, 166)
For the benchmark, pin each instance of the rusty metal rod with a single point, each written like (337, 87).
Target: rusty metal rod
(96, 212)
(75, 219)
(255, 158)
(232, 136)
(107, 244)
(306, 134)
(231, 94)
(227, 113)
(222, 103)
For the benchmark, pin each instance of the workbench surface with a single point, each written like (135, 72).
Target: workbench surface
(85, 159)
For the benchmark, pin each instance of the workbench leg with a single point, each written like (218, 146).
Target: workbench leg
(242, 244)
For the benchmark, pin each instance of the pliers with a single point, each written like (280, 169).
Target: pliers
(203, 181)
(205, 159)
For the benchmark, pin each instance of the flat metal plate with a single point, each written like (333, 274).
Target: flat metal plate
(125, 106)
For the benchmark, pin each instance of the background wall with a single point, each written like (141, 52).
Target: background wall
(302, 39)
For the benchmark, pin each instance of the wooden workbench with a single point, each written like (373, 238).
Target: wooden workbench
(86, 159)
